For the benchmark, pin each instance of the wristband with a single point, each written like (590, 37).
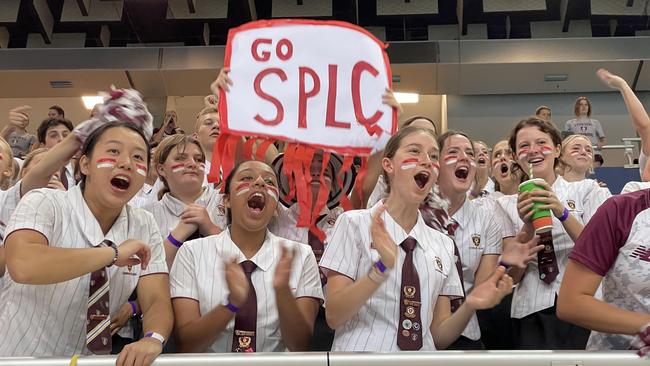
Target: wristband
(503, 264)
(157, 336)
(380, 266)
(232, 307)
(173, 241)
(565, 215)
(134, 308)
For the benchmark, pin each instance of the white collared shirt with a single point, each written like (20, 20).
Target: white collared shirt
(635, 186)
(582, 199)
(375, 326)
(168, 210)
(145, 196)
(198, 273)
(8, 201)
(285, 223)
(479, 233)
(50, 320)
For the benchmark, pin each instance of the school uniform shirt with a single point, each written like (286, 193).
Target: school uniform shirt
(375, 325)
(581, 199)
(379, 192)
(479, 233)
(614, 245)
(635, 186)
(198, 274)
(168, 210)
(485, 191)
(50, 320)
(145, 196)
(284, 224)
(8, 201)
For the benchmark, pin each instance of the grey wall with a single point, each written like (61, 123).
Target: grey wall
(491, 117)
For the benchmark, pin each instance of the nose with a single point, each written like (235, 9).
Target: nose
(259, 182)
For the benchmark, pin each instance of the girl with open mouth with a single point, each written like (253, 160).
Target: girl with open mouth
(390, 276)
(245, 289)
(79, 247)
(537, 145)
(506, 173)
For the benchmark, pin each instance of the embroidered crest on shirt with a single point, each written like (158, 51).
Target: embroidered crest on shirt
(222, 209)
(641, 252)
(571, 204)
(476, 239)
(438, 263)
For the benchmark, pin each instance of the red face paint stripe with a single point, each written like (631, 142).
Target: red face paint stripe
(411, 160)
(241, 186)
(106, 160)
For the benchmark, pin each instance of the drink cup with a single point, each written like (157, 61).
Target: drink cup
(542, 219)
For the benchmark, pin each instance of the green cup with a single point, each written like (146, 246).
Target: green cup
(542, 218)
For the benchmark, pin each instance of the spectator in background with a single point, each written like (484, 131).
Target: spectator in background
(15, 133)
(52, 131)
(585, 125)
(168, 128)
(56, 112)
(543, 112)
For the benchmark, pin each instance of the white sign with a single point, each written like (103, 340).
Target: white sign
(314, 82)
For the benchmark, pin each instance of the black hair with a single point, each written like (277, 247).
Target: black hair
(48, 123)
(89, 146)
(228, 182)
(58, 110)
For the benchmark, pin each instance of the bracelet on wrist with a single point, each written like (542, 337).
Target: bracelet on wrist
(565, 215)
(134, 308)
(156, 336)
(108, 243)
(232, 307)
(376, 276)
(173, 241)
(503, 264)
(380, 266)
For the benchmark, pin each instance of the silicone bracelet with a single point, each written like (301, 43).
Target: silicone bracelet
(380, 266)
(232, 308)
(134, 308)
(173, 241)
(565, 215)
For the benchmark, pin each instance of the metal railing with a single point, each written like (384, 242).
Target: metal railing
(447, 358)
(629, 143)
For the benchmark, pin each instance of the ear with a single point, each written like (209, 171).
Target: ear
(160, 171)
(558, 150)
(387, 165)
(84, 164)
(195, 135)
(226, 201)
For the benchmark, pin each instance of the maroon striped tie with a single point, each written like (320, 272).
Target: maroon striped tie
(243, 336)
(98, 333)
(451, 230)
(410, 323)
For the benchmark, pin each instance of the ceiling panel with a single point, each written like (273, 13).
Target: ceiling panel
(36, 84)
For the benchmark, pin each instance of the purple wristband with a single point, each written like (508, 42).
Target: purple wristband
(380, 266)
(232, 308)
(565, 215)
(134, 308)
(171, 239)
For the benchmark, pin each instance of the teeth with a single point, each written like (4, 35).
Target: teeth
(257, 194)
(122, 177)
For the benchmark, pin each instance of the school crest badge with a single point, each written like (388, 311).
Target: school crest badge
(571, 204)
(476, 239)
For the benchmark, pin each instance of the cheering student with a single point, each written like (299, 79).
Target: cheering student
(576, 158)
(641, 122)
(79, 248)
(379, 260)
(537, 145)
(612, 254)
(505, 171)
(245, 290)
(186, 209)
(15, 132)
(483, 185)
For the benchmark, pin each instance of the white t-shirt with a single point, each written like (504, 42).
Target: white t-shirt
(374, 327)
(582, 199)
(50, 320)
(198, 273)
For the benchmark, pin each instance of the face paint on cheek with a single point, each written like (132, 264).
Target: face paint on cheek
(546, 150)
(575, 153)
(242, 188)
(141, 169)
(410, 163)
(435, 167)
(178, 168)
(201, 167)
(106, 163)
(523, 154)
(450, 160)
(272, 192)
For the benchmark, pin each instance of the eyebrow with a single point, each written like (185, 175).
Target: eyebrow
(249, 170)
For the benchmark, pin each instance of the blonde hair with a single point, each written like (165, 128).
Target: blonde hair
(29, 157)
(203, 112)
(563, 167)
(165, 148)
(5, 181)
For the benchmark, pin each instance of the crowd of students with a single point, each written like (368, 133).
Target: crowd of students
(114, 241)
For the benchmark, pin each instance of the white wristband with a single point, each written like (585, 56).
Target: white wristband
(157, 336)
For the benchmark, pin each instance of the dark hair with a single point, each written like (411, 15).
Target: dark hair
(412, 119)
(89, 146)
(576, 107)
(48, 123)
(228, 182)
(165, 148)
(540, 108)
(442, 138)
(544, 126)
(58, 110)
(394, 142)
